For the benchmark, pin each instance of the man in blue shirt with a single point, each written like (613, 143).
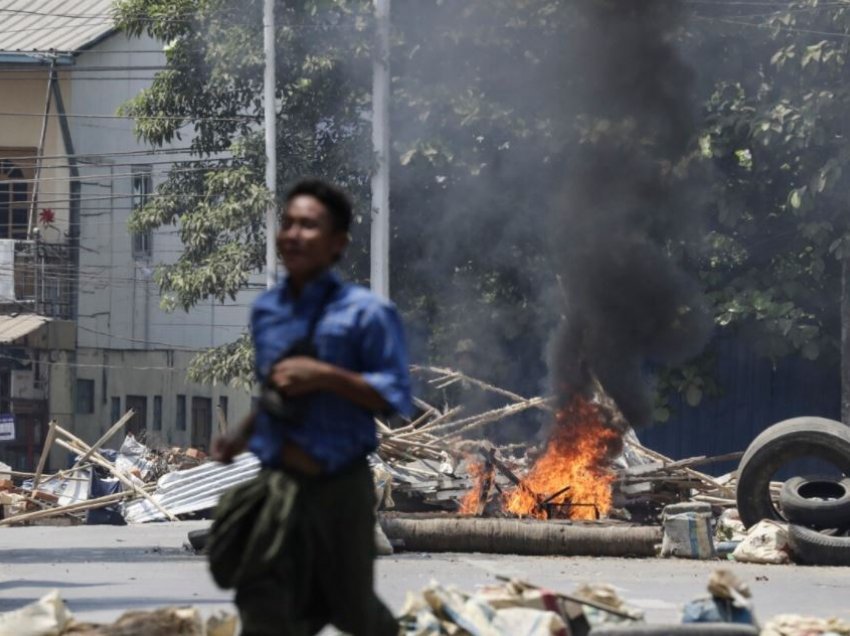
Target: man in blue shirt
(324, 572)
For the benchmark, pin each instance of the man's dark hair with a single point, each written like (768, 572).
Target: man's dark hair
(336, 201)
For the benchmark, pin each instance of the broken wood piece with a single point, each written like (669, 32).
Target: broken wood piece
(81, 506)
(502, 467)
(45, 451)
(486, 485)
(383, 428)
(551, 498)
(426, 428)
(575, 599)
(105, 437)
(445, 373)
(466, 424)
(701, 476)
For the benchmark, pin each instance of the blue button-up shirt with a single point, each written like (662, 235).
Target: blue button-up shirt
(358, 331)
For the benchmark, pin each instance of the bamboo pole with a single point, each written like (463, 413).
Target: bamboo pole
(89, 504)
(45, 451)
(105, 437)
(490, 416)
(446, 374)
(424, 429)
(729, 492)
(98, 459)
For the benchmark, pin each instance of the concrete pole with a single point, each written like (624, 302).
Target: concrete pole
(845, 341)
(271, 139)
(51, 77)
(380, 247)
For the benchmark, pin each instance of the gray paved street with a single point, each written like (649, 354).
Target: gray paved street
(102, 571)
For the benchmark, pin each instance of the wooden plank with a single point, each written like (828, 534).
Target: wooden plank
(48, 444)
(80, 506)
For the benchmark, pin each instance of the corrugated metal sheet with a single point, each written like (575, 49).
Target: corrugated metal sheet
(53, 25)
(192, 490)
(14, 327)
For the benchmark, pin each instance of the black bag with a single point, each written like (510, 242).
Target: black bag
(288, 410)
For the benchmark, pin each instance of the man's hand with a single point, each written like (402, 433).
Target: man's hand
(226, 447)
(299, 375)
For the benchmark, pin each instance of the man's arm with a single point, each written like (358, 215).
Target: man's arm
(301, 375)
(227, 446)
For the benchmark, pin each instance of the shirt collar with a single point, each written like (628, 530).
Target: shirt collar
(315, 290)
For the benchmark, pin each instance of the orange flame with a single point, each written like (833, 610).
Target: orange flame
(469, 503)
(577, 455)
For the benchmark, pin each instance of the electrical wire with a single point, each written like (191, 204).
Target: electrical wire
(774, 27)
(189, 117)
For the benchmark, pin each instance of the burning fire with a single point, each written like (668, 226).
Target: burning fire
(470, 501)
(577, 455)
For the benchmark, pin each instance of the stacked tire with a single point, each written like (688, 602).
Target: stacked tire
(817, 507)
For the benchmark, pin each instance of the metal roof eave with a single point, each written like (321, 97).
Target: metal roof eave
(9, 58)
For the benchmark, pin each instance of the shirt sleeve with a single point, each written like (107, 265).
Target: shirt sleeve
(383, 353)
(252, 334)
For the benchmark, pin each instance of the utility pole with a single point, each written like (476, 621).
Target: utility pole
(845, 340)
(271, 139)
(380, 244)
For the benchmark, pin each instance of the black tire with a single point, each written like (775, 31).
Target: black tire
(694, 629)
(811, 547)
(792, 439)
(198, 539)
(817, 502)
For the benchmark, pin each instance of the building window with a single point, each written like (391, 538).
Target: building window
(115, 409)
(14, 199)
(180, 417)
(157, 412)
(85, 397)
(142, 188)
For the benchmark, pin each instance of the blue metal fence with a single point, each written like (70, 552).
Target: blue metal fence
(756, 394)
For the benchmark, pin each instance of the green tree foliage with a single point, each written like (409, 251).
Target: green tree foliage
(484, 127)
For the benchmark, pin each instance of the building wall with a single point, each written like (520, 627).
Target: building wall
(128, 346)
(142, 373)
(119, 303)
(23, 91)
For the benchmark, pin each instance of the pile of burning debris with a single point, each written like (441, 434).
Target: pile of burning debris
(592, 467)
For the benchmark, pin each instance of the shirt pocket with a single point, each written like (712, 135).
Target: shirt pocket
(335, 344)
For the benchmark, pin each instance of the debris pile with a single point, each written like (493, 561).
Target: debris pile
(101, 484)
(592, 467)
(49, 616)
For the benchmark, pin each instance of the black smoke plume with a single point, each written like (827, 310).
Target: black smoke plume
(622, 215)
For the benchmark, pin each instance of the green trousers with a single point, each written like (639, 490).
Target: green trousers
(324, 571)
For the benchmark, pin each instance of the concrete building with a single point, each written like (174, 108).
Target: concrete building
(71, 172)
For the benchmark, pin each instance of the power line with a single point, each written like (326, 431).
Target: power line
(773, 27)
(94, 69)
(120, 175)
(191, 118)
(120, 153)
(125, 78)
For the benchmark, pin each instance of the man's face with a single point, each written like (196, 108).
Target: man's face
(307, 240)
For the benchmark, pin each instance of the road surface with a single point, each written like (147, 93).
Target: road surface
(101, 571)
